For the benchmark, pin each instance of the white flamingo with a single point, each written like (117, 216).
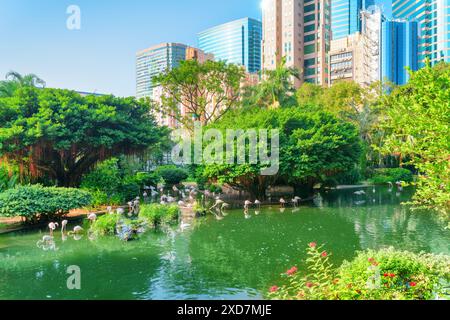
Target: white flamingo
(247, 204)
(52, 227)
(258, 204)
(63, 226)
(218, 203)
(282, 202)
(92, 217)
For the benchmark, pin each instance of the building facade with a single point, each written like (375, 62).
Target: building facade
(399, 50)
(237, 42)
(346, 59)
(298, 31)
(346, 16)
(154, 61)
(433, 21)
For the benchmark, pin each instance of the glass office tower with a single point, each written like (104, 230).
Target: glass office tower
(237, 42)
(346, 16)
(154, 61)
(434, 26)
(399, 50)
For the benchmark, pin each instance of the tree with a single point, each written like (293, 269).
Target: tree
(314, 147)
(418, 126)
(62, 135)
(200, 91)
(277, 88)
(15, 80)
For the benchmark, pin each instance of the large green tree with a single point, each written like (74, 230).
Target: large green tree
(418, 123)
(201, 92)
(314, 147)
(61, 135)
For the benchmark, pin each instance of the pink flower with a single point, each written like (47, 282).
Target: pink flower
(273, 289)
(324, 254)
(312, 245)
(309, 284)
(292, 271)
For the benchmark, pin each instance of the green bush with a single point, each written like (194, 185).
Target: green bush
(110, 185)
(373, 275)
(157, 214)
(106, 224)
(35, 202)
(384, 176)
(172, 175)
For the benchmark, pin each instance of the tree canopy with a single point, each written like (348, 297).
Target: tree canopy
(418, 127)
(61, 135)
(314, 146)
(199, 91)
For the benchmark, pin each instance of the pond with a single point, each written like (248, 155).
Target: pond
(238, 257)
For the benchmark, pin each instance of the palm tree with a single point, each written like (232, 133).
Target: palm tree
(278, 86)
(15, 80)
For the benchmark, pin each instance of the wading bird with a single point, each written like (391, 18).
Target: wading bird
(282, 202)
(247, 204)
(258, 204)
(52, 227)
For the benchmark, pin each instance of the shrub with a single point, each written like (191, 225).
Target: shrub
(157, 214)
(35, 202)
(373, 275)
(111, 186)
(384, 176)
(106, 224)
(172, 175)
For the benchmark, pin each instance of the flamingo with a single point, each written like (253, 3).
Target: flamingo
(92, 217)
(247, 204)
(63, 226)
(258, 203)
(282, 202)
(218, 203)
(77, 230)
(360, 192)
(52, 226)
(120, 211)
(109, 210)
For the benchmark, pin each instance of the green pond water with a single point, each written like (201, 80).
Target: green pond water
(235, 258)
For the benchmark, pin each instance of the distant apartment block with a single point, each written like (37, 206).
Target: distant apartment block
(237, 42)
(298, 31)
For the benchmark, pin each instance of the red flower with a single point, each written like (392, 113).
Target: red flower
(392, 275)
(324, 254)
(413, 284)
(309, 284)
(312, 245)
(292, 271)
(386, 275)
(273, 289)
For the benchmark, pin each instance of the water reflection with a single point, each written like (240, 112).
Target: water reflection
(238, 256)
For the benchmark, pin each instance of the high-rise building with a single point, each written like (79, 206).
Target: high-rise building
(434, 25)
(347, 60)
(154, 61)
(346, 16)
(237, 42)
(299, 31)
(399, 50)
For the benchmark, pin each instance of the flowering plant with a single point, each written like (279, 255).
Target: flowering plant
(373, 275)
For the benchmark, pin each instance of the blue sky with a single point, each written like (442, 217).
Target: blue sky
(100, 56)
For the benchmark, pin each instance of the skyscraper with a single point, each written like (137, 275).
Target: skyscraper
(237, 42)
(158, 59)
(346, 16)
(153, 61)
(433, 23)
(298, 31)
(399, 49)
